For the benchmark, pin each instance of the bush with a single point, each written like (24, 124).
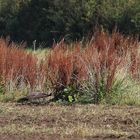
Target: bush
(63, 70)
(91, 71)
(19, 69)
(45, 20)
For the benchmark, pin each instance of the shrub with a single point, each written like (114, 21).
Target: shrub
(63, 70)
(18, 69)
(72, 19)
(91, 70)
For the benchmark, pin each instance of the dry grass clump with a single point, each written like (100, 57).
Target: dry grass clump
(18, 69)
(93, 67)
(97, 69)
(63, 67)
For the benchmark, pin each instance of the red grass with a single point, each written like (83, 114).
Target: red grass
(67, 65)
(104, 54)
(17, 65)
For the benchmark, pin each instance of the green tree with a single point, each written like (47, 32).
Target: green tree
(45, 20)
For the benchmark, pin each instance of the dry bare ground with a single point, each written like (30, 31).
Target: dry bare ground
(75, 122)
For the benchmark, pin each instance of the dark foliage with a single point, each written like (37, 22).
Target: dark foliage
(45, 20)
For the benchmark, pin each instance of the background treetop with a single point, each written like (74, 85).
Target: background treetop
(46, 21)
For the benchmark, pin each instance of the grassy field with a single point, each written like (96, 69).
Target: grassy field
(76, 122)
(105, 72)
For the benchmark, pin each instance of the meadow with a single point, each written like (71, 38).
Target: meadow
(95, 87)
(105, 69)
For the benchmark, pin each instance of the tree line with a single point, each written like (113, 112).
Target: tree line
(49, 21)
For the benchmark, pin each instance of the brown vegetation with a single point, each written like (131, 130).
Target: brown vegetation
(70, 65)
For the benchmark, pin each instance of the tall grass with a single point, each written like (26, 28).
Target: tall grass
(18, 69)
(94, 67)
(98, 69)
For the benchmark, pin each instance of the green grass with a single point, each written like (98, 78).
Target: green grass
(12, 96)
(40, 53)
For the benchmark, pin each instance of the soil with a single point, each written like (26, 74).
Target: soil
(75, 122)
